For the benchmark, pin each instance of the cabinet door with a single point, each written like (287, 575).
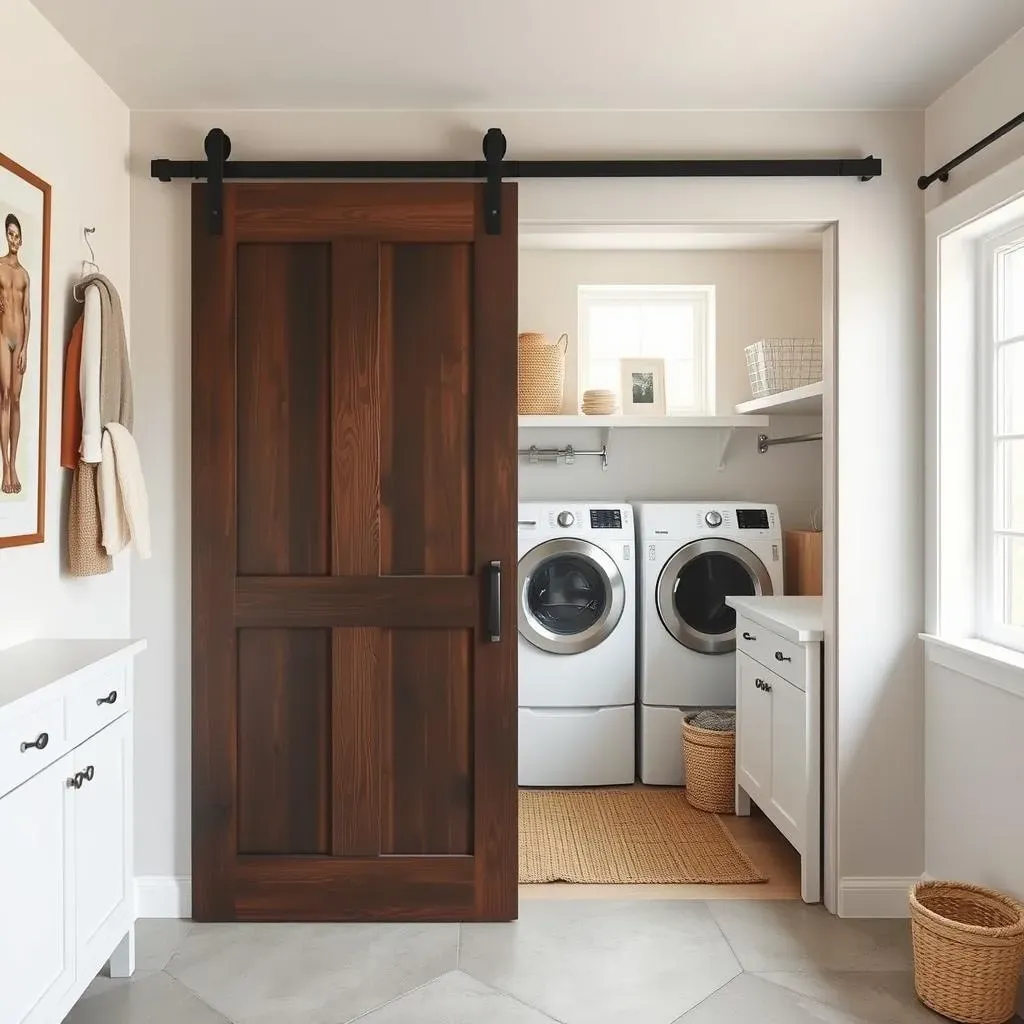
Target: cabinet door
(36, 924)
(103, 853)
(753, 728)
(789, 759)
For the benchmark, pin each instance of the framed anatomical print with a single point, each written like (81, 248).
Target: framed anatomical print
(24, 314)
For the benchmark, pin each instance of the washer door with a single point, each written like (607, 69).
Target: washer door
(694, 584)
(571, 595)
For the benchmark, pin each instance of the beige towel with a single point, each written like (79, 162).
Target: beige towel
(121, 488)
(86, 556)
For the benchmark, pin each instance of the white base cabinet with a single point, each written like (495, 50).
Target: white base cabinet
(778, 739)
(66, 873)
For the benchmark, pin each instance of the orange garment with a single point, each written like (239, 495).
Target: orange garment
(71, 421)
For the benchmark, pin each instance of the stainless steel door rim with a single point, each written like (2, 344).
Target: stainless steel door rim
(686, 633)
(534, 631)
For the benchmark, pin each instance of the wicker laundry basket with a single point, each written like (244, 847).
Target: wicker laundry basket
(709, 755)
(968, 950)
(541, 374)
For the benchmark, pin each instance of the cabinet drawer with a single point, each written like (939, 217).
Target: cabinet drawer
(771, 650)
(30, 741)
(96, 702)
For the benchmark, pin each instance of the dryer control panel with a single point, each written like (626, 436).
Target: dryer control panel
(605, 519)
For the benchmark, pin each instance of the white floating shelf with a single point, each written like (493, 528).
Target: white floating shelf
(634, 422)
(802, 401)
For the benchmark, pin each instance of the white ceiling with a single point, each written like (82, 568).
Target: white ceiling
(533, 54)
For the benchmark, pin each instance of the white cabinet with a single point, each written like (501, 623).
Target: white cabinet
(753, 729)
(66, 872)
(37, 965)
(778, 732)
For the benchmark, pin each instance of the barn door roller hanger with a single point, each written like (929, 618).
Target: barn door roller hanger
(217, 169)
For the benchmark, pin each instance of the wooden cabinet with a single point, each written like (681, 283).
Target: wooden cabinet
(66, 872)
(778, 738)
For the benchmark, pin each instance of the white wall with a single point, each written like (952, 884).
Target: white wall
(66, 126)
(757, 294)
(980, 102)
(762, 294)
(878, 410)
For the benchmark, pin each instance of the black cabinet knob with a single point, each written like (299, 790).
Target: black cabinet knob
(111, 698)
(89, 772)
(39, 743)
(779, 656)
(76, 780)
(747, 636)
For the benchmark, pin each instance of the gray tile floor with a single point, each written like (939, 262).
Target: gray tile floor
(569, 961)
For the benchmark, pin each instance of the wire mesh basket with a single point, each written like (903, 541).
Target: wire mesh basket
(779, 364)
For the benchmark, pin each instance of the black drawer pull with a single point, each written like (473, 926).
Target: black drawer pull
(89, 773)
(75, 782)
(39, 743)
(779, 656)
(762, 685)
(747, 636)
(111, 698)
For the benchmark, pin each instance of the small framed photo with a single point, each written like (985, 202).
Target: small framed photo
(643, 387)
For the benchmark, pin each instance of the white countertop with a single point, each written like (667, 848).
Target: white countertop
(36, 664)
(800, 619)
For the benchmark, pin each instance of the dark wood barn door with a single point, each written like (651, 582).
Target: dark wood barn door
(353, 480)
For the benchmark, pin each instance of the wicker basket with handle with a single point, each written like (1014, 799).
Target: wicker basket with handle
(541, 374)
(968, 950)
(710, 759)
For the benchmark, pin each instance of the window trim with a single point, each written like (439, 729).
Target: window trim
(989, 625)
(702, 298)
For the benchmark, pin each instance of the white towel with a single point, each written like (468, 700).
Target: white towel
(124, 504)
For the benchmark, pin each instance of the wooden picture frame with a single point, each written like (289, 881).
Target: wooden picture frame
(24, 323)
(643, 387)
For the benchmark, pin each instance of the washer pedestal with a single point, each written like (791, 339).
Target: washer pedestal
(577, 746)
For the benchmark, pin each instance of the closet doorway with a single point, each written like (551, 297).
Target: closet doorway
(354, 554)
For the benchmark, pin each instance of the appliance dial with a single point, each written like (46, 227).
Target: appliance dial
(566, 519)
(713, 519)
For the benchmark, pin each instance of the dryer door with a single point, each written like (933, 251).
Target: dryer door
(571, 595)
(694, 584)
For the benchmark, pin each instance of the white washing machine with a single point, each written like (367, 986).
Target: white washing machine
(577, 644)
(693, 556)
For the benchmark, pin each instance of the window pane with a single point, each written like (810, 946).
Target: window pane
(614, 331)
(1010, 388)
(1012, 297)
(602, 373)
(1013, 548)
(668, 331)
(1010, 485)
(680, 385)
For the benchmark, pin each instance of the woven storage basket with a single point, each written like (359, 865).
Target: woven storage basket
(778, 364)
(541, 374)
(968, 949)
(710, 759)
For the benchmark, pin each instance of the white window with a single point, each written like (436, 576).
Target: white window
(1001, 435)
(674, 323)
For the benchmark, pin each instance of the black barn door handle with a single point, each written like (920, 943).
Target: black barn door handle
(494, 603)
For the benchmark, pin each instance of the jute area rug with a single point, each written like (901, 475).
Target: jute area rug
(610, 836)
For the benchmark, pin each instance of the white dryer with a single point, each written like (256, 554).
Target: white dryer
(577, 644)
(693, 556)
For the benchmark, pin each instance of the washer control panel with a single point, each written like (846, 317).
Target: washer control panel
(605, 519)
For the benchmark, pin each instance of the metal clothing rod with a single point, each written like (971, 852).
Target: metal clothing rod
(764, 442)
(942, 174)
(217, 168)
(568, 453)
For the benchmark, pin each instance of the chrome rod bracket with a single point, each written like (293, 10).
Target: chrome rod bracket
(764, 442)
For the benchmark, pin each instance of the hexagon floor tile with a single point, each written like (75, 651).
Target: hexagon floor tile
(455, 998)
(310, 973)
(599, 962)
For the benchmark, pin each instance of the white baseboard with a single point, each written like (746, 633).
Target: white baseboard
(875, 897)
(163, 896)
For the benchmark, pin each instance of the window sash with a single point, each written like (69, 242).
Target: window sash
(1000, 541)
(693, 368)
